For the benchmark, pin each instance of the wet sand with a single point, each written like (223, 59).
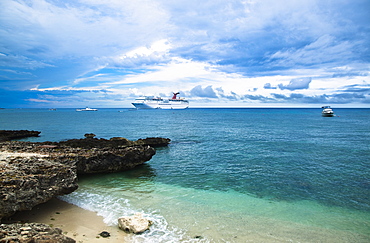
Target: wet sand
(77, 223)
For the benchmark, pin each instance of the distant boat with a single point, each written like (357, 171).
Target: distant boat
(151, 102)
(52, 109)
(87, 109)
(327, 111)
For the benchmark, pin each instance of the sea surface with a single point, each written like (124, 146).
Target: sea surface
(229, 175)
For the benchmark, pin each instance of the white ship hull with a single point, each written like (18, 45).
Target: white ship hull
(327, 111)
(159, 103)
(86, 109)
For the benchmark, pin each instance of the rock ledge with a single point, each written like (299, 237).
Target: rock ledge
(6, 135)
(33, 173)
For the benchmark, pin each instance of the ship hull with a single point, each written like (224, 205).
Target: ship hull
(164, 104)
(151, 102)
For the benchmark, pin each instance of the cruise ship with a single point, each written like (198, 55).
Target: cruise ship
(151, 102)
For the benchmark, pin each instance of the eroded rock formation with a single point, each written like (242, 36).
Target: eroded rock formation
(33, 173)
(92, 155)
(30, 179)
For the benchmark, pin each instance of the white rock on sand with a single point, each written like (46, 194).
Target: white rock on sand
(134, 224)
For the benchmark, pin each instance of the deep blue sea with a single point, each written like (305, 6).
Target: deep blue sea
(229, 175)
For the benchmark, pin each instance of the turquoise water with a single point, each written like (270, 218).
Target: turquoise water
(229, 175)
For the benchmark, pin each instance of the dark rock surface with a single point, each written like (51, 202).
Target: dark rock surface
(7, 135)
(154, 142)
(32, 233)
(92, 155)
(116, 142)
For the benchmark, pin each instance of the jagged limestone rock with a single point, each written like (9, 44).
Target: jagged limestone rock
(29, 179)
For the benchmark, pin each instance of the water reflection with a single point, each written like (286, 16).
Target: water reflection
(139, 179)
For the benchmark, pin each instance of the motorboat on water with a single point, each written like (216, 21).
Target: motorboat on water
(327, 111)
(87, 109)
(151, 102)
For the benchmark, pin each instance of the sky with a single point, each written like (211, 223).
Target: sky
(216, 53)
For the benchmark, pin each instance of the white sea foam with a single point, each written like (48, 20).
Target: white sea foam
(111, 208)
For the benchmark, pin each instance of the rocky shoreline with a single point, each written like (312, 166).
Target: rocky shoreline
(35, 172)
(7, 135)
(32, 232)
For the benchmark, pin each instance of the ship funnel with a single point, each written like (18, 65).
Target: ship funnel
(175, 95)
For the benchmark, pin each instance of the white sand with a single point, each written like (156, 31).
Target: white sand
(77, 223)
(4, 155)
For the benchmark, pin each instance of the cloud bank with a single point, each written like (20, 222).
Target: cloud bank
(220, 53)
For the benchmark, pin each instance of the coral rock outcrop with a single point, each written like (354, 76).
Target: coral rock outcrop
(34, 172)
(30, 179)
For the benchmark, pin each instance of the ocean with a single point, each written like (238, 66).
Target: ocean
(229, 175)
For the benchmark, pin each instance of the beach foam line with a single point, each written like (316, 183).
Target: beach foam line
(111, 208)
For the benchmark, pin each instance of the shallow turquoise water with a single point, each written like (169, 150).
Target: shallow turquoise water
(229, 175)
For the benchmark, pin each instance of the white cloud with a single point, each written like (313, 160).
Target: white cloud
(297, 83)
(207, 92)
(324, 50)
(161, 46)
(156, 53)
(174, 71)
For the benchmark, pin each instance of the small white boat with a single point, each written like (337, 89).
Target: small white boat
(327, 111)
(151, 102)
(87, 109)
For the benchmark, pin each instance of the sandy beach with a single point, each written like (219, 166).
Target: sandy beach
(77, 223)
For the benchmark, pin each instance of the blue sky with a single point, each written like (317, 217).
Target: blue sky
(234, 53)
